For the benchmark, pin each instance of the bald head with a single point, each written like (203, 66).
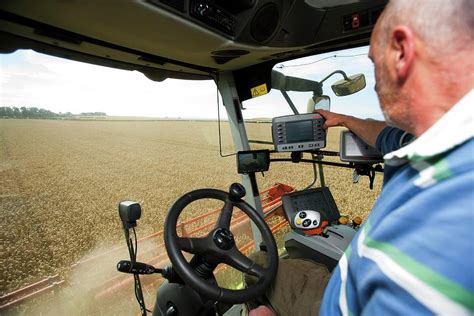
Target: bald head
(422, 51)
(447, 25)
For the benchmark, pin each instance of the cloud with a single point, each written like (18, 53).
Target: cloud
(28, 78)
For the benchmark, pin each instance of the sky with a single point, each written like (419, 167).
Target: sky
(31, 79)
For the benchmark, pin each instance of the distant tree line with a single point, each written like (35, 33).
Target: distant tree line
(33, 112)
(93, 114)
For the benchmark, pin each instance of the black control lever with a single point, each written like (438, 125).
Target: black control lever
(129, 213)
(128, 266)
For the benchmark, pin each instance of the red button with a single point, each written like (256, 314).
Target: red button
(355, 21)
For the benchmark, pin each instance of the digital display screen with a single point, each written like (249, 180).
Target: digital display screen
(253, 161)
(300, 131)
(355, 147)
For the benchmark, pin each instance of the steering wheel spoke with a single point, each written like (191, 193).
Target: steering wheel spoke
(225, 216)
(197, 246)
(242, 263)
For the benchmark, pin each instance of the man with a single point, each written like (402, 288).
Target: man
(415, 253)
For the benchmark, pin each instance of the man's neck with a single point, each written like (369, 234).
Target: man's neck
(436, 90)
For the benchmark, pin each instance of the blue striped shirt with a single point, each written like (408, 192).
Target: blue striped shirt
(415, 253)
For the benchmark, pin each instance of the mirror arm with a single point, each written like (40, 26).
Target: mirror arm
(319, 92)
(336, 72)
(290, 103)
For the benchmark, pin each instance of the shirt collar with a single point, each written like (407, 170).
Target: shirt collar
(452, 129)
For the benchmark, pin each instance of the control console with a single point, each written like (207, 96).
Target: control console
(312, 200)
(211, 14)
(298, 132)
(319, 232)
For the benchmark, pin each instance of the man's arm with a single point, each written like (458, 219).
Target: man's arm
(368, 130)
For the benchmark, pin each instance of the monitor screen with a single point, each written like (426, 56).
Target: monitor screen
(355, 147)
(253, 161)
(300, 131)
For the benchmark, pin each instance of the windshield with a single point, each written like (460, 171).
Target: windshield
(76, 139)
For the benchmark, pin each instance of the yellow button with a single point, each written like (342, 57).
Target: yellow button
(343, 220)
(357, 220)
(298, 221)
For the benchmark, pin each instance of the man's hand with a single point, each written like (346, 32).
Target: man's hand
(368, 130)
(332, 119)
(262, 311)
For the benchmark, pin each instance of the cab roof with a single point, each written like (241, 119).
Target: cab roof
(185, 39)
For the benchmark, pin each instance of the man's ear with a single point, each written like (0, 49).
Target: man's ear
(403, 44)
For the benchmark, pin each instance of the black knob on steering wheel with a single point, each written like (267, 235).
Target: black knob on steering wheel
(236, 192)
(219, 246)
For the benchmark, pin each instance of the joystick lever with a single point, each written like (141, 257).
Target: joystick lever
(236, 192)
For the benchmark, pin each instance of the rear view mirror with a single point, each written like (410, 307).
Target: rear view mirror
(319, 102)
(346, 87)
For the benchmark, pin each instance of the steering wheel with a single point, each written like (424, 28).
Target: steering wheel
(219, 247)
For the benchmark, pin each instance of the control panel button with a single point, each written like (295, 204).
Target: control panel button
(357, 220)
(343, 220)
(315, 223)
(306, 222)
(302, 214)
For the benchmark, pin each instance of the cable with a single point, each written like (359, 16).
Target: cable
(136, 277)
(136, 244)
(219, 127)
(315, 173)
(281, 66)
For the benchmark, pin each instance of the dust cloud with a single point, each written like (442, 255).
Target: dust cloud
(92, 287)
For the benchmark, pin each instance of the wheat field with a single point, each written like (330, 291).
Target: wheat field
(61, 182)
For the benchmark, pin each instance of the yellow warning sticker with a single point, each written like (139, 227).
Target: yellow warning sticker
(259, 90)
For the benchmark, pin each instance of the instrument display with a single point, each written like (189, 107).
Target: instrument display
(354, 149)
(298, 132)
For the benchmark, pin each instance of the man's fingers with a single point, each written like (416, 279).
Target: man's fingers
(322, 112)
(261, 311)
(331, 119)
(326, 115)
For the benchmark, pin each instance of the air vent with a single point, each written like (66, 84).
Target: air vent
(264, 22)
(225, 55)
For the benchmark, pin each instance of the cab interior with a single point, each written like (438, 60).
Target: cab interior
(237, 45)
